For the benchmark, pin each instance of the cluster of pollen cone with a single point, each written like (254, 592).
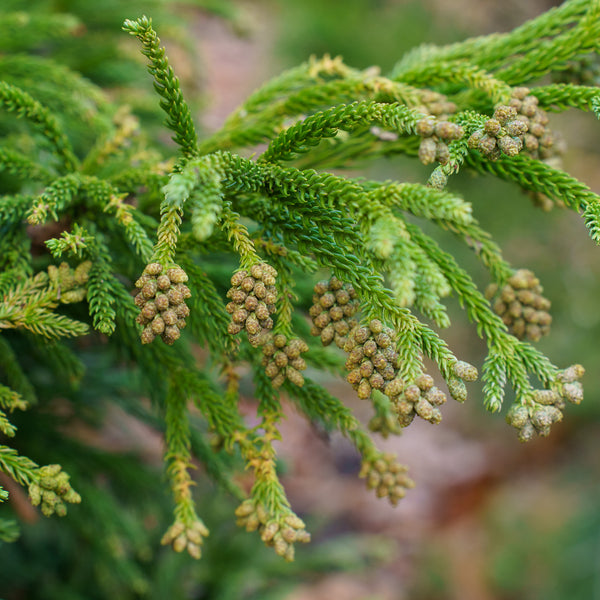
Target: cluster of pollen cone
(373, 362)
(161, 299)
(253, 296)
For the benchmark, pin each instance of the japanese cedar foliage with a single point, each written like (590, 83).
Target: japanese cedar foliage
(107, 240)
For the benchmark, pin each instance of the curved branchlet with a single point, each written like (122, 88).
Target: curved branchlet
(20, 102)
(179, 117)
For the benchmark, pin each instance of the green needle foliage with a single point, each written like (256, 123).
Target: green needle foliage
(81, 229)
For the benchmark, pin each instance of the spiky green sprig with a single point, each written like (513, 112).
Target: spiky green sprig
(6, 427)
(559, 97)
(238, 236)
(11, 400)
(13, 209)
(553, 54)
(518, 358)
(30, 305)
(99, 194)
(312, 239)
(55, 199)
(102, 285)
(76, 100)
(16, 261)
(534, 175)
(178, 458)
(179, 118)
(421, 201)
(177, 191)
(458, 73)
(23, 167)
(413, 277)
(493, 51)
(20, 102)
(95, 193)
(199, 184)
(265, 125)
(449, 212)
(268, 509)
(430, 286)
(72, 242)
(301, 136)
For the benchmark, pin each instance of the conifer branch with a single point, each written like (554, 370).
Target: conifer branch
(187, 531)
(31, 305)
(23, 167)
(537, 176)
(179, 118)
(16, 100)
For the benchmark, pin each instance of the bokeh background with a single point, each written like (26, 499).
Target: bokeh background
(490, 518)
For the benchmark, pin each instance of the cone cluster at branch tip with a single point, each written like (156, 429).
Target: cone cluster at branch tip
(546, 406)
(162, 299)
(52, 490)
(420, 398)
(386, 476)
(334, 306)
(253, 296)
(282, 360)
(520, 124)
(372, 361)
(521, 305)
(181, 537)
(280, 531)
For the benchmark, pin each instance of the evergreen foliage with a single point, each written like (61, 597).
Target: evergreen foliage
(125, 217)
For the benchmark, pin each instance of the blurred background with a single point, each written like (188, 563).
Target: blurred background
(490, 518)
